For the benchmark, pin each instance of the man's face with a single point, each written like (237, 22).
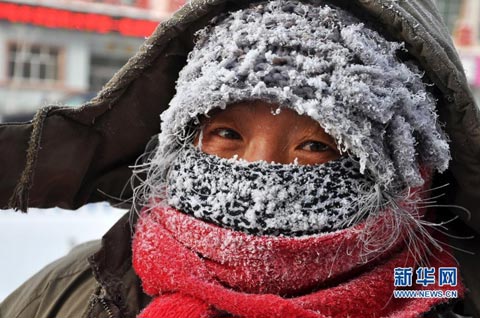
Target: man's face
(253, 132)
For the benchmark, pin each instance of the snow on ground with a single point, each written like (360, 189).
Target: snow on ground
(31, 241)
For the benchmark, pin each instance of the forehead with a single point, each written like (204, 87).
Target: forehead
(259, 111)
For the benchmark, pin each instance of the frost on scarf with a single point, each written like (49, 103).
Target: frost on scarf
(266, 199)
(322, 62)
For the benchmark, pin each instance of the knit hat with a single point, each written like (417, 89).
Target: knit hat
(321, 61)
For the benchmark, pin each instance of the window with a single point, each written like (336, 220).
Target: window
(130, 3)
(127, 2)
(450, 10)
(33, 63)
(102, 69)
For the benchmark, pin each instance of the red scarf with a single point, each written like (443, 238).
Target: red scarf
(199, 270)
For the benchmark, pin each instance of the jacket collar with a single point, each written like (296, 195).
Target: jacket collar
(112, 268)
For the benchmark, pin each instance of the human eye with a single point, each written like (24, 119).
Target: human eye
(227, 133)
(315, 146)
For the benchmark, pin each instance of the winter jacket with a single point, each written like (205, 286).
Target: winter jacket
(89, 160)
(91, 281)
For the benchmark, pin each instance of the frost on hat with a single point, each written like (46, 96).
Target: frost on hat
(320, 61)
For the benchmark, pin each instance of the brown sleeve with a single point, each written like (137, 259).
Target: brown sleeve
(13, 148)
(60, 161)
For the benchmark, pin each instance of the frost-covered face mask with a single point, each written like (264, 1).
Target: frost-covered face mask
(266, 198)
(317, 60)
(320, 61)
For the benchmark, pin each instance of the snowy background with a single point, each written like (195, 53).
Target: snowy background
(31, 241)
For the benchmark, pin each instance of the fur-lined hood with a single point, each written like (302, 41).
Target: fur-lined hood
(68, 157)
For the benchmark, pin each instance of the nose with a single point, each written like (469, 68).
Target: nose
(266, 149)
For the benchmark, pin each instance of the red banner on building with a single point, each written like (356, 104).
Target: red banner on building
(80, 21)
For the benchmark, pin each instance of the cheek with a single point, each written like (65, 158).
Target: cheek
(313, 158)
(221, 147)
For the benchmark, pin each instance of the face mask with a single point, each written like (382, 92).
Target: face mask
(266, 198)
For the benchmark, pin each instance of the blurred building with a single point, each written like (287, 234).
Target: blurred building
(63, 51)
(463, 19)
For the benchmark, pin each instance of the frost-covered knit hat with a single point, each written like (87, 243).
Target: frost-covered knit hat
(321, 61)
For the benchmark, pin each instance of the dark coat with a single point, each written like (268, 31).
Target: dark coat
(69, 157)
(95, 280)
